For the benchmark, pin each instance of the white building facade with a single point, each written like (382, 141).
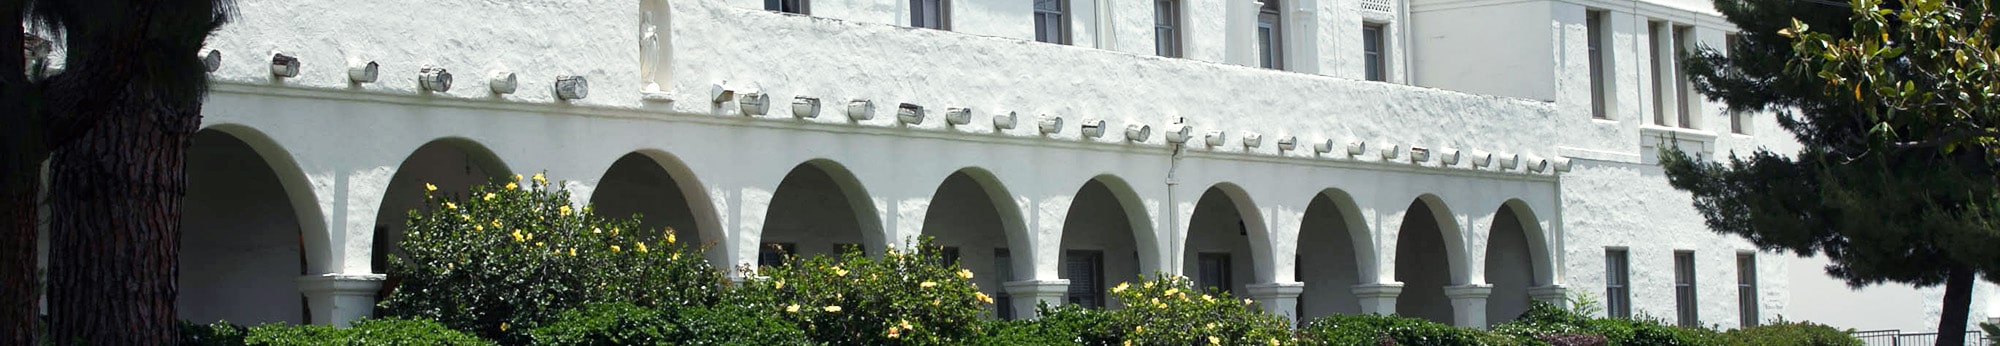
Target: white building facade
(1450, 160)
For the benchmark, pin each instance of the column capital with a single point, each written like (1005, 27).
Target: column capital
(339, 299)
(1550, 293)
(1378, 290)
(1037, 287)
(341, 283)
(1275, 290)
(1468, 291)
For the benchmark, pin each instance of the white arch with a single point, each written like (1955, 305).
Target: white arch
(700, 205)
(1542, 260)
(312, 225)
(850, 188)
(1454, 238)
(1366, 257)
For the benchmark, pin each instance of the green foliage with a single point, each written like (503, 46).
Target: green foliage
(899, 299)
(1168, 310)
(1546, 322)
(511, 257)
(364, 332)
(1347, 330)
(1062, 325)
(220, 333)
(626, 324)
(1790, 333)
(1992, 333)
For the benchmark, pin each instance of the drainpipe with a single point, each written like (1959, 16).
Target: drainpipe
(1173, 209)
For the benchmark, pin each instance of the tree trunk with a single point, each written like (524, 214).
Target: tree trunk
(115, 201)
(1957, 305)
(17, 255)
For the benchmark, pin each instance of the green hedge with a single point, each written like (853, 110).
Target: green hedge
(1345, 330)
(627, 324)
(1790, 333)
(364, 332)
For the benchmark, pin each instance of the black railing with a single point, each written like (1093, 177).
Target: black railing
(1896, 337)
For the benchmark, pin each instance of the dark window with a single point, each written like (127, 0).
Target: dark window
(1617, 284)
(773, 254)
(1682, 87)
(1736, 117)
(1166, 28)
(1052, 21)
(1213, 272)
(1594, 26)
(1660, 63)
(1003, 269)
(934, 14)
(1684, 294)
(787, 6)
(1746, 287)
(1086, 277)
(1371, 52)
(1270, 36)
(947, 256)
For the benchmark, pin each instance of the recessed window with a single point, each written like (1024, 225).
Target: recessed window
(1372, 55)
(1736, 117)
(1594, 26)
(788, 6)
(1683, 88)
(1617, 284)
(1654, 40)
(1166, 28)
(1214, 272)
(1086, 277)
(773, 254)
(934, 14)
(1003, 269)
(1685, 307)
(1746, 288)
(1270, 36)
(1052, 21)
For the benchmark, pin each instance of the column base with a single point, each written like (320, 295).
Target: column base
(1278, 298)
(1552, 294)
(1378, 298)
(1468, 304)
(1029, 294)
(339, 299)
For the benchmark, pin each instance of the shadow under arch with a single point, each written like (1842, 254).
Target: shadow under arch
(1538, 240)
(249, 227)
(1107, 236)
(1336, 251)
(315, 236)
(701, 214)
(453, 164)
(1011, 219)
(1210, 245)
(1516, 260)
(849, 190)
(1428, 228)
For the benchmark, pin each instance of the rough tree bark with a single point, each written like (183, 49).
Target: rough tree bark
(20, 172)
(1957, 304)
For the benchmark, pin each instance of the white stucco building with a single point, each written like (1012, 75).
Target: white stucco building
(1451, 160)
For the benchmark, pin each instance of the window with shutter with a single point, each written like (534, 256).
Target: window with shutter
(1086, 275)
(1214, 272)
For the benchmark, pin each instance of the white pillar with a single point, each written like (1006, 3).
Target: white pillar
(1279, 298)
(1378, 298)
(339, 299)
(1553, 294)
(1030, 293)
(1468, 304)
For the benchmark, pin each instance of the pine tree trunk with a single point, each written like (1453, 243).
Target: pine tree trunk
(115, 202)
(17, 256)
(1957, 305)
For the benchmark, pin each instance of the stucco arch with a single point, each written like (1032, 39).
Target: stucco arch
(243, 235)
(1538, 240)
(1429, 227)
(1145, 238)
(1514, 262)
(850, 190)
(298, 190)
(1454, 238)
(430, 163)
(1366, 257)
(1204, 233)
(1012, 224)
(700, 207)
(1332, 231)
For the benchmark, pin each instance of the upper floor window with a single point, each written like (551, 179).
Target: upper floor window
(1166, 28)
(1270, 36)
(1594, 37)
(1656, 38)
(934, 14)
(1052, 21)
(1683, 88)
(1736, 117)
(1374, 61)
(788, 6)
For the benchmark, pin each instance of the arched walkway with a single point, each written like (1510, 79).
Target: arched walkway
(641, 184)
(976, 225)
(819, 208)
(1329, 261)
(241, 238)
(454, 165)
(1218, 245)
(1511, 262)
(1425, 261)
(1101, 241)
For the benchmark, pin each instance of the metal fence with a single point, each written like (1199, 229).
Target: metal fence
(1896, 337)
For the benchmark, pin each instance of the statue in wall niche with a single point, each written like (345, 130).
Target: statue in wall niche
(649, 49)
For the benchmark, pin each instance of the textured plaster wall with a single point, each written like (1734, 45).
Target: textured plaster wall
(1449, 35)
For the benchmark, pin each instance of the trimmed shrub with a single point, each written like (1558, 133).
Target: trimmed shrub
(1790, 333)
(1544, 321)
(511, 257)
(220, 333)
(899, 299)
(627, 324)
(1169, 311)
(1345, 330)
(365, 332)
(1063, 325)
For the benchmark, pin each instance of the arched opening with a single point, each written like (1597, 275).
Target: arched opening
(638, 185)
(1329, 262)
(819, 208)
(1423, 263)
(241, 240)
(1218, 243)
(971, 219)
(453, 165)
(1100, 241)
(1510, 266)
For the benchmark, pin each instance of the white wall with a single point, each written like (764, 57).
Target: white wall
(1490, 50)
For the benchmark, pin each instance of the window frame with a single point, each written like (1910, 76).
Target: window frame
(1736, 117)
(1003, 269)
(1687, 307)
(943, 8)
(1271, 47)
(1375, 59)
(1167, 28)
(1683, 41)
(1746, 289)
(1618, 283)
(1093, 288)
(773, 254)
(1225, 280)
(1062, 27)
(1595, 25)
(804, 7)
(1654, 29)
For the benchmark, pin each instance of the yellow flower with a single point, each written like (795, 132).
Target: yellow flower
(517, 236)
(670, 235)
(614, 231)
(540, 179)
(794, 308)
(572, 252)
(1120, 288)
(832, 308)
(449, 205)
(479, 227)
(489, 196)
(905, 324)
(927, 284)
(894, 333)
(496, 223)
(614, 248)
(1171, 291)
(982, 297)
(595, 230)
(1206, 298)
(1274, 341)
(517, 177)
(642, 246)
(1128, 342)
(512, 185)
(674, 256)
(1149, 284)
(965, 273)
(563, 210)
(430, 188)
(1211, 325)
(839, 272)
(538, 244)
(780, 284)
(1246, 302)
(1214, 340)
(1138, 329)
(503, 326)
(531, 236)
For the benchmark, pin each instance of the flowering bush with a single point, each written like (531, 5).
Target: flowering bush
(1169, 311)
(627, 324)
(1061, 325)
(1398, 330)
(902, 298)
(516, 253)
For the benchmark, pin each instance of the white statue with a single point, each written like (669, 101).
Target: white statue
(649, 50)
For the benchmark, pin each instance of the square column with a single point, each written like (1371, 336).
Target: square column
(1552, 294)
(1378, 298)
(339, 299)
(1468, 304)
(1279, 298)
(1030, 293)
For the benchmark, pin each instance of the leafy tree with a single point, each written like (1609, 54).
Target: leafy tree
(113, 127)
(1896, 116)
